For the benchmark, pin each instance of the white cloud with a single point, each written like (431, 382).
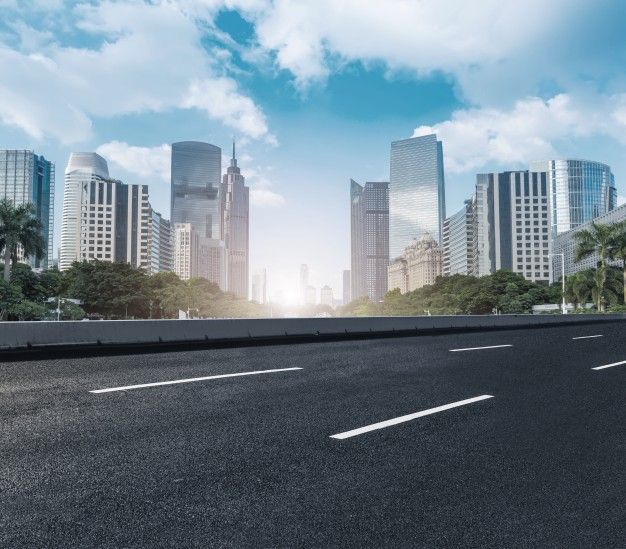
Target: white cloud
(266, 198)
(150, 59)
(530, 130)
(148, 162)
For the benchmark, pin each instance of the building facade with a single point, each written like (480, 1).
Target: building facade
(369, 225)
(103, 219)
(580, 190)
(161, 244)
(512, 224)
(346, 294)
(185, 251)
(565, 243)
(459, 242)
(26, 177)
(235, 212)
(326, 296)
(195, 185)
(416, 191)
(211, 260)
(419, 266)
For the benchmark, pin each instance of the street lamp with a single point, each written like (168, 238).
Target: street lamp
(562, 256)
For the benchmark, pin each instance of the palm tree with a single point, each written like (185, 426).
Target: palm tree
(618, 248)
(597, 239)
(19, 227)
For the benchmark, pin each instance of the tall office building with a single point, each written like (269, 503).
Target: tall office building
(369, 227)
(580, 190)
(416, 191)
(235, 211)
(103, 218)
(196, 175)
(458, 242)
(29, 178)
(512, 224)
(565, 243)
(346, 287)
(211, 260)
(185, 251)
(161, 242)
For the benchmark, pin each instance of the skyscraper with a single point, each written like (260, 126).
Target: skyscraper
(369, 227)
(235, 212)
(458, 242)
(103, 218)
(416, 191)
(161, 242)
(512, 217)
(580, 190)
(326, 296)
(259, 286)
(196, 174)
(27, 177)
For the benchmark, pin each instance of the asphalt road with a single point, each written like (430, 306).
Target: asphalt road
(300, 458)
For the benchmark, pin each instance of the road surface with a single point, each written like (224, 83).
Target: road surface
(490, 439)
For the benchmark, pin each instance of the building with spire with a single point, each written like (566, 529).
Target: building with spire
(235, 214)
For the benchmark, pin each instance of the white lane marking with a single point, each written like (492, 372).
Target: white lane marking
(190, 380)
(588, 337)
(609, 365)
(409, 417)
(478, 348)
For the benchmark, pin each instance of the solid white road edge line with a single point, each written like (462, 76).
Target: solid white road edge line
(588, 337)
(609, 365)
(190, 380)
(478, 348)
(409, 417)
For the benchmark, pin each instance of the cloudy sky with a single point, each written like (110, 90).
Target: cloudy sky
(314, 92)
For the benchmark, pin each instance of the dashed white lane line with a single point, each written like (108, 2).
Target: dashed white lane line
(190, 380)
(478, 348)
(588, 337)
(409, 417)
(609, 365)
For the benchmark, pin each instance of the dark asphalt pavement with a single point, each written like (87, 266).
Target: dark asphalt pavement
(248, 461)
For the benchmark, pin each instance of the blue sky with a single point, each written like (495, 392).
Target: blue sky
(314, 91)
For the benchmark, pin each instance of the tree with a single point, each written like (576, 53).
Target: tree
(618, 249)
(19, 227)
(596, 240)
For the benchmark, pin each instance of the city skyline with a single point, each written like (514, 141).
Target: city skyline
(310, 120)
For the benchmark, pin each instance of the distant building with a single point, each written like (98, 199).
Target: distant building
(196, 175)
(161, 244)
(512, 224)
(369, 221)
(326, 296)
(580, 190)
(416, 191)
(211, 261)
(310, 297)
(459, 242)
(346, 287)
(185, 251)
(27, 177)
(565, 243)
(235, 228)
(304, 282)
(419, 266)
(103, 219)
(259, 286)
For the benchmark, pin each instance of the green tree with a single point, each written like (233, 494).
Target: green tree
(618, 249)
(19, 228)
(598, 239)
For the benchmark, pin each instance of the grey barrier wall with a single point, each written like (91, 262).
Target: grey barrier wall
(29, 335)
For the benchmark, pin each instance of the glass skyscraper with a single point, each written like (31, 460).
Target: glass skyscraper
(416, 191)
(580, 190)
(369, 224)
(27, 177)
(196, 177)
